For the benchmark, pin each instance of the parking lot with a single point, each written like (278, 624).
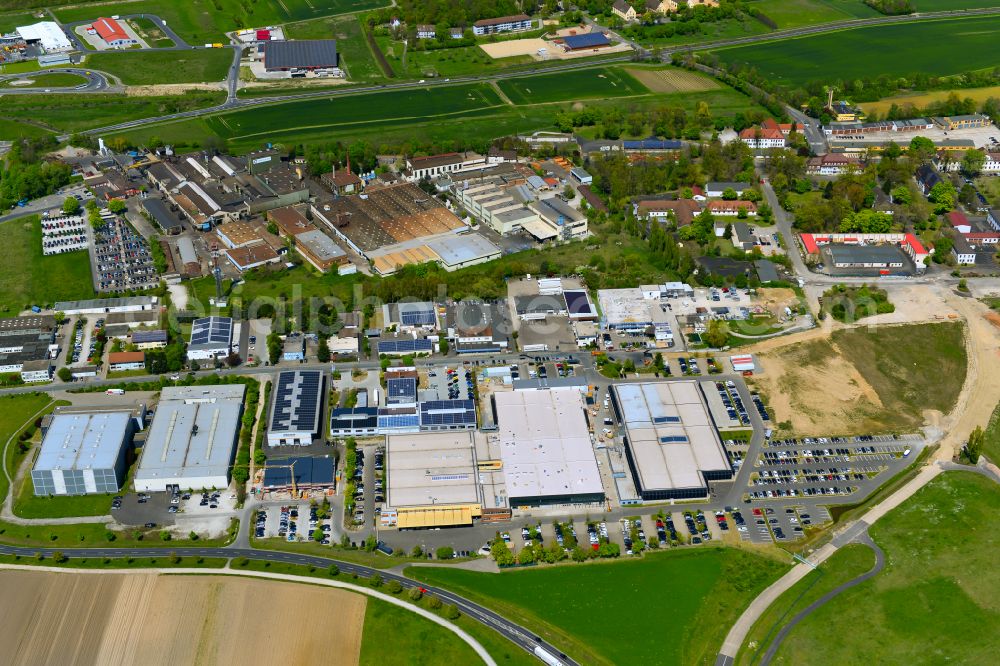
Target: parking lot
(451, 383)
(121, 259)
(84, 342)
(294, 521)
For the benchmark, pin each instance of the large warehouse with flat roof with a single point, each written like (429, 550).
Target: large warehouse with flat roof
(672, 446)
(433, 479)
(295, 408)
(545, 447)
(300, 54)
(192, 440)
(83, 454)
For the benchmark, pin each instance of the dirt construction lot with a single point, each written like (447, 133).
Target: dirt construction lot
(70, 619)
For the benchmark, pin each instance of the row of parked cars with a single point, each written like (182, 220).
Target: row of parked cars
(123, 258)
(733, 402)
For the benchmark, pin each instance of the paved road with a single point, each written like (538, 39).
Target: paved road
(96, 82)
(525, 639)
(863, 538)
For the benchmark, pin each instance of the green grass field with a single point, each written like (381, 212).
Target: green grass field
(936, 601)
(397, 106)
(70, 113)
(900, 362)
(53, 80)
(394, 635)
(445, 62)
(201, 21)
(666, 608)
(991, 448)
(945, 5)
(15, 411)
(150, 67)
(904, 48)
(28, 278)
(27, 505)
(601, 83)
(151, 33)
(847, 563)
(795, 13)
(11, 20)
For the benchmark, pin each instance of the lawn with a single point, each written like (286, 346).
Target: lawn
(27, 278)
(901, 362)
(355, 56)
(668, 608)
(936, 600)
(150, 67)
(415, 640)
(796, 13)
(14, 129)
(991, 448)
(846, 564)
(201, 21)
(269, 122)
(601, 83)
(15, 411)
(924, 46)
(459, 61)
(71, 113)
(53, 80)
(9, 21)
(151, 33)
(27, 505)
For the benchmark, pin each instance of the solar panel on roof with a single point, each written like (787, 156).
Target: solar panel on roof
(405, 346)
(417, 318)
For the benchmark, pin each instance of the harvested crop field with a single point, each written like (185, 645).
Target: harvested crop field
(673, 80)
(110, 619)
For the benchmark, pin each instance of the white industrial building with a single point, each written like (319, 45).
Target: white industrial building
(295, 408)
(84, 453)
(46, 33)
(672, 446)
(211, 337)
(545, 446)
(107, 305)
(192, 440)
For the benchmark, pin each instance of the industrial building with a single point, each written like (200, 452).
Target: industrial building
(635, 310)
(47, 34)
(354, 421)
(302, 54)
(295, 408)
(107, 305)
(192, 441)
(544, 443)
(475, 327)
(211, 337)
(149, 339)
(26, 344)
(113, 34)
(310, 474)
(442, 481)
(84, 453)
(125, 361)
(172, 223)
(672, 446)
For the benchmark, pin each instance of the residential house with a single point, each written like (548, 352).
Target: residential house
(517, 23)
(624, 10)
(425, 31)
(927, 178)
(722, 207)
(682, 211)
(959, 222)
(832, 164)
(742, 238)
(124, 361)
(342, 182)
(715, 190)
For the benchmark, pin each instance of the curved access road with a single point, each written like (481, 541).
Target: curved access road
(523, 638)
(95, 82)
(865, 539)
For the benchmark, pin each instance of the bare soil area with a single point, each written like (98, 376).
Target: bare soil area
(774, 299)
(112, 619)
(170, 89)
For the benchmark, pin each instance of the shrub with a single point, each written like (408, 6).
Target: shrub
(434, 603)
(394, 586)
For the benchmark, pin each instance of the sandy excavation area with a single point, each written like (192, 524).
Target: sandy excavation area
(69, 619)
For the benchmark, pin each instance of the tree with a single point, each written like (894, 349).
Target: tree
(729, 194)
(71, 206)
(526, 556)
(323, 351)
(375, 580)
(974, 447)
(867, 221)
(117, 206)
(58, 557)
(922, 149)
(434, 603)
(901, 194)
(333, 570)
(65, 374)
(579, 554)
(318, 534)
(394, 586)
(415, 594)
(716, 334)
(417, 551)
(942, 195)
(501, 553)
(273, 347)
(972, 162)
(451, 612)
(445, 553)
(233, 360)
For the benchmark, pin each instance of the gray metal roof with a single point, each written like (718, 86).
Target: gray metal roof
(193, 433)
(300, 53)
(865, 254)
(83, 441)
